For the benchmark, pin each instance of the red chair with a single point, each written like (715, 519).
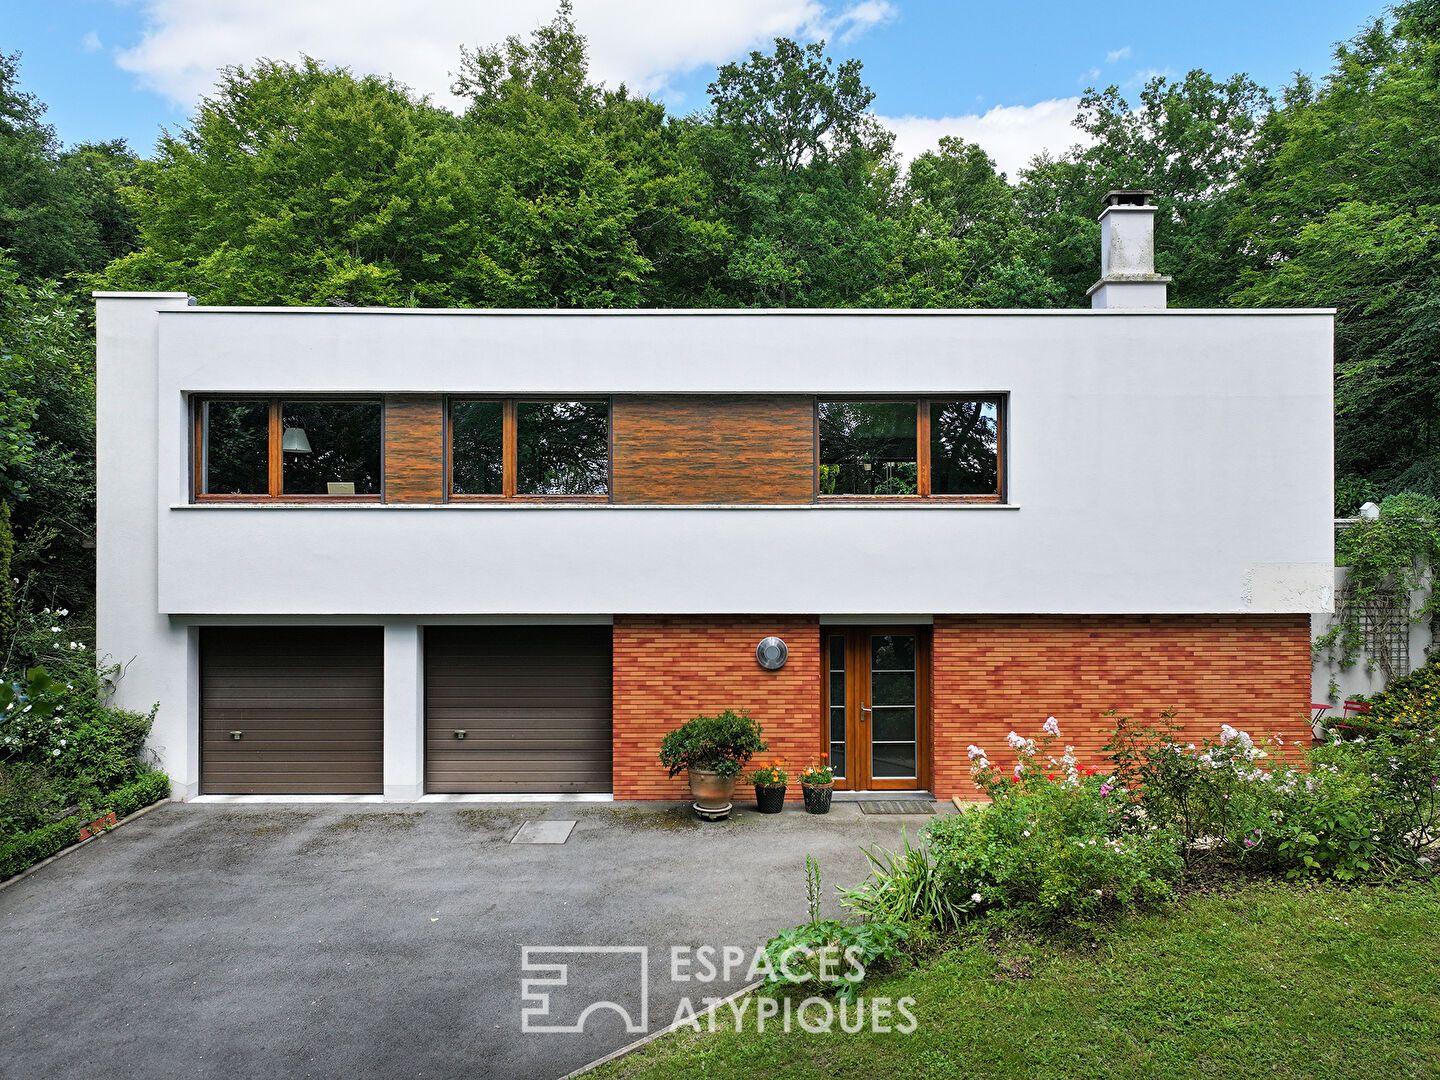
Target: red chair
(1360, 708)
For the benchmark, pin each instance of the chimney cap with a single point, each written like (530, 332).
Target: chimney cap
(1128, 197)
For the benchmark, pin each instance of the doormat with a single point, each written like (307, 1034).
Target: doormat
(897, 806)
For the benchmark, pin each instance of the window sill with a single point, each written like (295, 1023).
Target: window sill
(591, 506)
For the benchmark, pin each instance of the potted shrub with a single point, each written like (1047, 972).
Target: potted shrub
(712, 750)
(817, 783)
(770, 781)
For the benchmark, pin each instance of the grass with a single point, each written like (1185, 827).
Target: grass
(1269, 981)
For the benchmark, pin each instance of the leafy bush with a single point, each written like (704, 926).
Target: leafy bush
(62, 746)
(25, 850)
(829, 955)
(150, 788)
(1408, 703)
(905, 887)
(1356, 810)
(720, 744)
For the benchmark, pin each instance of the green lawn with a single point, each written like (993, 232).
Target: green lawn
(1272, 981)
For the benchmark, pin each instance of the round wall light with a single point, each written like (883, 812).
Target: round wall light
(771, 653)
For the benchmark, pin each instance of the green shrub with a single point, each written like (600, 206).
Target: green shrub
(25, 850)
(29, 797)
(721, 744)
(905, 887)
(150, 788)
(1409, 703)
(833, 957)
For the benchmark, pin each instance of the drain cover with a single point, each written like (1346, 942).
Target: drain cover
(897, 806)
(543, 832)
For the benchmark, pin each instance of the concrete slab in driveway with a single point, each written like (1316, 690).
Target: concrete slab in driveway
(383, 941)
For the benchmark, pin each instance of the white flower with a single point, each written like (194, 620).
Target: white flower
(975, 897)
(25, 709)
(54, 753)
(63, 611)
(1099, 892)
(64, 743)
(54, 629)
(1025, 833)
(1051, 726)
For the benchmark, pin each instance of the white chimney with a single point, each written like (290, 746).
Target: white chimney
(1127, 254)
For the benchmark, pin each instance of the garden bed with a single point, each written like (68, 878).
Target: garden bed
(27, 849)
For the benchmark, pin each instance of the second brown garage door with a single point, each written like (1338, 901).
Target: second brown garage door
(307, 703)
(532, 702)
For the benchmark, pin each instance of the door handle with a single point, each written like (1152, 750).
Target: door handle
(236, 735)
(459, 733)
(863, 710)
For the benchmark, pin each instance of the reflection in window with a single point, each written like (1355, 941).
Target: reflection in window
(868, 448)
(837, 704)
(893, 718)
(330, 447)
(236, 444)
(477, 448)
(562, 447)
(964, 447)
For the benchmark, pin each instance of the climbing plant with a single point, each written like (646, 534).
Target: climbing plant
(1391, 559)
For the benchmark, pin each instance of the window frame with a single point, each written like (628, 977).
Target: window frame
(274, 455)
(510, 449)
(922, 450)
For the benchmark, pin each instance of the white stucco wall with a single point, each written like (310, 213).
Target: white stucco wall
(1158, 461)
(1360, 678)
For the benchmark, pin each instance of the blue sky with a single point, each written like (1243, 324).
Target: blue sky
(112, 68)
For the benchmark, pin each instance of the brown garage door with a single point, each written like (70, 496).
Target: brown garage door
(308, 702)
(533, 702)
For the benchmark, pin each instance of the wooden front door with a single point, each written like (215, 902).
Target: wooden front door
(877, 706)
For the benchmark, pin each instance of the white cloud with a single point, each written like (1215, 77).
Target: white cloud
(644, 43)
(1116, 55)
(90, 42)
(1010, 134)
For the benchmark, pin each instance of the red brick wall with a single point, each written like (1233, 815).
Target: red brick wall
(998, 673)
(670, 668)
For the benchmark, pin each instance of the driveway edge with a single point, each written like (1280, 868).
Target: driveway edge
(76, 847)
(653, 1036)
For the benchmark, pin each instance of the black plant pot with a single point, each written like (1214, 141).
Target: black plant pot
(817, 798)
(770, 798)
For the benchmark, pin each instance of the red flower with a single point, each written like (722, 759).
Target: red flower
(1050, 776)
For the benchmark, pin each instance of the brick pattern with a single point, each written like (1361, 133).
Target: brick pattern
(994, 674)
(670, 668)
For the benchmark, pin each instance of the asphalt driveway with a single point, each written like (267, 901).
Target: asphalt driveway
(374, 940)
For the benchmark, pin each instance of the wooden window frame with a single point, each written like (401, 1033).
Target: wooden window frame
(275, 463)
(510, 450)
(923, 491)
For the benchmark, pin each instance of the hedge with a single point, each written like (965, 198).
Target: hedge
(30, 848)
(150, 788)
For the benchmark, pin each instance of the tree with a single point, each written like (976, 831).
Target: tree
(802, 176)
(47, 438)
(1188, 142)
(59, 211)
(1343, 210)
(961, 240)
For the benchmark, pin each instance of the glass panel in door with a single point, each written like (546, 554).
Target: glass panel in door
(893, 708)
(837, 703)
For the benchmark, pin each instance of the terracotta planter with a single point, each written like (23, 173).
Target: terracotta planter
(770, 798)
(99, 825)
(817, 797)
(711, 793)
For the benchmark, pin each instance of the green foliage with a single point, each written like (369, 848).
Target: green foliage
(60, 212)
(1052, 850)
(25, 850)
(1407, 703)
(720, 744)
(828, 956)
(47, 439)
(905, 888)
(772, 775)
(7, 583)
(1353, 492)
(150, 788)
(1389, 558)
